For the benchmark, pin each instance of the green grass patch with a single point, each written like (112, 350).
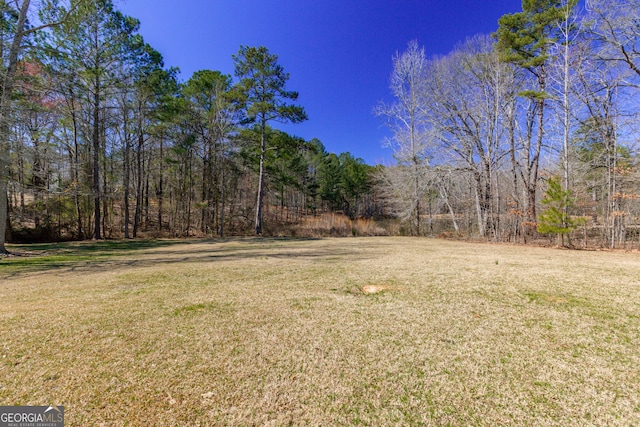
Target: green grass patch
(193, 309)
(541, 297)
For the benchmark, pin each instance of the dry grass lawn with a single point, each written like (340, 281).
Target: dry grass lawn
(285, 332)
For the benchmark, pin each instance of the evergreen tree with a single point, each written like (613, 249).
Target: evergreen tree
(210, 118)
(15, 29)
(555, 219)
(262, 97)
(89, 54)
(525, 39)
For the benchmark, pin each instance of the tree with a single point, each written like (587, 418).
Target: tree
(165, 113)
(139, 62)
(607, 105)
(314, 155)
(355, 182)
(410, 141)
(329, 181)
(15, 28)
(567, 31)
(90, 51)
(211, 118)
(36, 112)
(555, 219)
(470, 94)
(286, 167)
(616, 26)
(262, 97)
(145, 62)
(524, 39)
(14, 22)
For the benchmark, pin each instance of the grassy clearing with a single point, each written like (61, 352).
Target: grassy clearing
(277, 332)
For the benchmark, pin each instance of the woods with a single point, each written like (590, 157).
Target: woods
(104, 141)
(521, 135)
(549, 98)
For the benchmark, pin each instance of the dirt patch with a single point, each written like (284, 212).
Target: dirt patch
(376, 289)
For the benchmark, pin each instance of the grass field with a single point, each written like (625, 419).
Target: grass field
(280, 332)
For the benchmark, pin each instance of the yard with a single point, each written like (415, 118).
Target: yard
(352, 331)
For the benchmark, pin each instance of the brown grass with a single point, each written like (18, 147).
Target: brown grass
(336, 225)
(280, 332)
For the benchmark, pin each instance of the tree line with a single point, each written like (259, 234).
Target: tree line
(100, 139)
(530, 131)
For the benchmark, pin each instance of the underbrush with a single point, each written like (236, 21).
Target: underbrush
(335, 225)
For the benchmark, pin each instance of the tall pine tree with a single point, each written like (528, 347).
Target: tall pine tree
(525, 39)
(262, 97)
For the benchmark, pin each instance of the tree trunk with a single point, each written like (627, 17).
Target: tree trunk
(8, 232)
(126, 167)
(566, 118)
(107, 166)
(480, 208)
(189, 190)
(4, 213)
(76, 171)
(37, 182)
(416, 195)
(532, 188)
(126, 178)
(139, 171)
(223, 197)
(160, 190)
(445, 196)
(96, 161)
(204, 194)
(259, 202)
(5, 112)
(145, 199)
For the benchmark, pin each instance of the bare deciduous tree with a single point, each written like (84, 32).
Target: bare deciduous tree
(411, 142)
(615, 24)
(468, 92)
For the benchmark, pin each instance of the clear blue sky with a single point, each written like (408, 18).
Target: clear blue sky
(338, 52)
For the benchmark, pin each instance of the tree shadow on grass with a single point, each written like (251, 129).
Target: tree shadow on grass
(113, 255)
(29, 258)
(101, 246)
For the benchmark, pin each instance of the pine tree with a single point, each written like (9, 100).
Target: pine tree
(525, 39)
(262, 96)
(555, 219)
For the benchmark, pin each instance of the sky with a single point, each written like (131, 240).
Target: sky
(339, 53)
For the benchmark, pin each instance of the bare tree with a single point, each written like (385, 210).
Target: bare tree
(562, 76)
(607, 103)
(562, 69)
(399, 185)
(616, 26)
(410, 142)
(468, 92)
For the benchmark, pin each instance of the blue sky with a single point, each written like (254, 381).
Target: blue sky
(338, 52)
